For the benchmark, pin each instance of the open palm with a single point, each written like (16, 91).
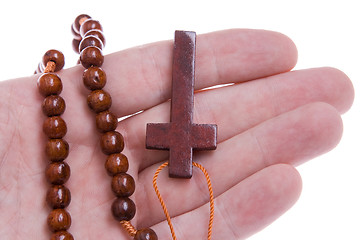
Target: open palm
(269, 121)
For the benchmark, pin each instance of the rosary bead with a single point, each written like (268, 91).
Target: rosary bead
(112, 142)
(54, 127)
(57, 173)
(39, 69)
(49, 84)
(123, 209)
(62, 235)
(97, 33)
(91, 56)
(106, 121)
(75, 45)
(94, 78)
(88, 25)
(55, 56)
(53, 105)
(75, 34)
(90, 41)
(58, 196)
(59, 220)
(99, 101)
(145, 234)
(79, 20)
(123, 185)
(57, 149)
(116, 163)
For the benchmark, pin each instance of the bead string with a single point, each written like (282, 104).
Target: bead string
(129, 228)
(89, 41)
(50, 67)
(163, 205)
(57, 172)
(112, 142)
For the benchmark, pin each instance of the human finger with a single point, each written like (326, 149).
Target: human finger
(290, 138)
(244, 209)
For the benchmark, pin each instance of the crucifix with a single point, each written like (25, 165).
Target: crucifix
(181, 136)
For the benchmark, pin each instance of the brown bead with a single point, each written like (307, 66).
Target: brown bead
(123, 209)
(62, 235)
(55, 56)
(49, 84)
(58, 196)
(40, 68)
(75, 45)
(99, 101)
(123, 185)
(53, 105)
(145, 234)
(90, 41)
(106, 121)
(94, 78)
(116, 163)
(54, 127)
(57, 149)
(91, 56)
(88, 25)
(97, 33)
(59, 220)
(79, 20)
(57, 173)
(75, 34)
(112, 142)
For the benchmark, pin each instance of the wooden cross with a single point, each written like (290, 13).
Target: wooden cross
(181, 136)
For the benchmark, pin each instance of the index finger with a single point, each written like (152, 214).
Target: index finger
(140, 77)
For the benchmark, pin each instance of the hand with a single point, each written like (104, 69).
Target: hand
(269, 121)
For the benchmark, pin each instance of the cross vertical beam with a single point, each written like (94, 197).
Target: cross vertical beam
(181, 136)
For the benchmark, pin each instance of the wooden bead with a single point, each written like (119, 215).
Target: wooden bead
(145, 234)
(116, 163)
(53, 105)
(39, 69)
(55, 56)
(88, 25)
(74, 33)
(123, 185)
(112, 142)
(75, 45)
(106, 121)
(58, 196)
(99, 101)
(79, 20)
(94, 78)
(59, 220)
(57, 173)
(90, 41)
(49, 84)
(54, 127)
(97, 33)
(62, 235)
(123, 209)
(57, 149)
(91, 56)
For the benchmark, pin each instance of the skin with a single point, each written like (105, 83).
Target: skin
(269, 121)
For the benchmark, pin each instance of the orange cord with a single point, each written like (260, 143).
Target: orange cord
(168, 219)
(50, 67)
(129, 228)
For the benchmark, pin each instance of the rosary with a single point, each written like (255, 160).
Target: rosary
(181, 136)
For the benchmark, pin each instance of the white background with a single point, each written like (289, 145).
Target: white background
(326, 33)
